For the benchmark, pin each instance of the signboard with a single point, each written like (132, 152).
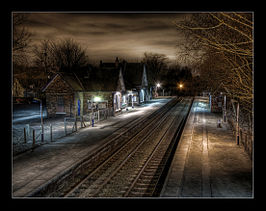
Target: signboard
(78, 107)
(89, 105)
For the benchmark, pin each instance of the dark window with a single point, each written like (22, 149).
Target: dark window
(60, 100)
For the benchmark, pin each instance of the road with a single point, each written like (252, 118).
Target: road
(26, 113)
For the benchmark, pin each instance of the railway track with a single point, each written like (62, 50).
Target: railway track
(135, 168)
(64, 182)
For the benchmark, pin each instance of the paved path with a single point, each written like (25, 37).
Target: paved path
(208, 162)
(32, 169)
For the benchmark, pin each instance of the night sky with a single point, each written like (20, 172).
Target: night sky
(109, 35)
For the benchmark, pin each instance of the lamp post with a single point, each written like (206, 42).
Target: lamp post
(132, 98)
(237, 124)
(180, 86)
(157, 86)
(41, 115)
(224, 109)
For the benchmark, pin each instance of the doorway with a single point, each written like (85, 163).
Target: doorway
(60, 105)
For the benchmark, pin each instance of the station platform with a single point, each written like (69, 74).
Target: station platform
(207, 162)
(33, 169)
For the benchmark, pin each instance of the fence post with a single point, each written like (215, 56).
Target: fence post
(237, 124)
(65, 126)
(75, 123)
(98, 115)
(33, 138)
(246, 141)
(84, 124)
(25, 137)
(240, 135)
(92, 119)
(224, 109)
(51, 133)
(42, 130)
(28, 129)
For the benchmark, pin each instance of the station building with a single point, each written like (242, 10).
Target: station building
(112, 85)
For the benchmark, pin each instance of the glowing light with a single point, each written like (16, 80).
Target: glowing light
(180, 85)
(158, 85)
(97, 99)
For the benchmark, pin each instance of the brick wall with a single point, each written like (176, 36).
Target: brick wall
(51, 103)
(59, 88)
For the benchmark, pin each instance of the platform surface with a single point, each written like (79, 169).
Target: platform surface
(35, 168)
(208, 163)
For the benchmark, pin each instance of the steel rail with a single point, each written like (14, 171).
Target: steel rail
(133, 157)
(145, 166)
(156, 158)
(150, 119)
(65, 181)
(119, 167)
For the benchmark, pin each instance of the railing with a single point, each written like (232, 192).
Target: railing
(29, 136)
(245, 136)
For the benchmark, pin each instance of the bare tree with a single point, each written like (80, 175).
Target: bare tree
(225, 41)
(63, 55)
(21, 38)
(155, 63)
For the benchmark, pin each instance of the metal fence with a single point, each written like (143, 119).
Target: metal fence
(246, 137)
(28, 136)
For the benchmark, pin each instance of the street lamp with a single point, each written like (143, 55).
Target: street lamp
(157, 86)
(180, 86)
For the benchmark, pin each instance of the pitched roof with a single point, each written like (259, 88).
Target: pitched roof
(103, 79)
(108, 66)
(99, 79)
(132, 73)
(73, 81)
(70, 78)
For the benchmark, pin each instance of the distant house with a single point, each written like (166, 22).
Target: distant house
(17, 89)
(62, 93)
(23, 87)
(116, 85)
(104, 86)
(136, 83)
(75, 93)
(28, 83)
(135, 88)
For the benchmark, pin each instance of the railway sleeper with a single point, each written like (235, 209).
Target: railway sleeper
(120, 139)
(144, 185)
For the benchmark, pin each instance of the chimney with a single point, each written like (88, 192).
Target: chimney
(116, 62)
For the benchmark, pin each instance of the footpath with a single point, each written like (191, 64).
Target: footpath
(35, 168)
(208, 163)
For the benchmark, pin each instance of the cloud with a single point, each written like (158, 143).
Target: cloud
(107, 35)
